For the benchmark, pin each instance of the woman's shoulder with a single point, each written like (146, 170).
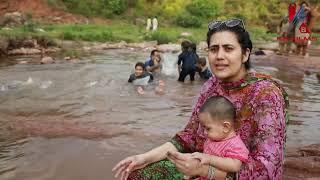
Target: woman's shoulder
(263, 81)
(266, 86)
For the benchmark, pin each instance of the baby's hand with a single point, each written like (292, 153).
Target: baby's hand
(204, 158)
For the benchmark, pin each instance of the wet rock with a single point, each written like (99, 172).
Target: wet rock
(7, 29)
(52, 50)
(307, 72)
(318, 75)
(268, 46)
(105, 46)
(24, 51)
(40, 30)
(186, 34)
(67, 58)
(263, 52)
(306, 159)
(312, 150)
(203, 45)
(12, 19)
(3, 45)
(169, 47)
(47, 60)
(29, 43)
(143, 45)
(23, 62)
(139, 22)
(309, 164)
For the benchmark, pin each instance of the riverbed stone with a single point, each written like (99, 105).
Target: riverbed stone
(268, 46)
(306, 159)
(3, 45)
(24, 51)
(12, 19)
(203, 45)
(47, 60)
(169, 47)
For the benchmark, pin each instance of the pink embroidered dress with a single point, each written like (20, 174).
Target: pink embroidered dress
(261, 117)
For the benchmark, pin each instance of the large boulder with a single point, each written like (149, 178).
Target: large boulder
(4, 44)
(13, 19)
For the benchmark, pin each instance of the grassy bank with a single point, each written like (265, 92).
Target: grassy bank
(120, 31)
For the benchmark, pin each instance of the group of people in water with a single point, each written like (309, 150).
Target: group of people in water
(189, 63)
(296, 27)
(237, 129)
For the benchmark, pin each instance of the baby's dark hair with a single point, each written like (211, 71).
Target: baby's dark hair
(220, 108)
(202, 61)
(141, 64)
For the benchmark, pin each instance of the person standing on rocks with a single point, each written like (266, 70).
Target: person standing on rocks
(149, 24)
(154, 23)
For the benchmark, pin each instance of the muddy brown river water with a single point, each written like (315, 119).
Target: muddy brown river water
(74, 121)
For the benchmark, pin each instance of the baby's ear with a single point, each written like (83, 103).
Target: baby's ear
(227, 126)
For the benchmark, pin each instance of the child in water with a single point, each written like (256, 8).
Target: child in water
(141, 78)
(223, 148)
(186, 62)
(202, 69)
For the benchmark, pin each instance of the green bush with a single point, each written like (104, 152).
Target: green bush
(160, 37)
(203, 8)
(187, 20)
(89, 8)
(88, 36)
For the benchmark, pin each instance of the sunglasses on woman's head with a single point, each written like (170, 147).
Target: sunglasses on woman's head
(229, 23)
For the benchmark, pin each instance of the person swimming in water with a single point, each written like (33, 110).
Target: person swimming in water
(141, 78)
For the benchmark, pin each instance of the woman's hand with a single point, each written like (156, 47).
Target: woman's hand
(204, 158)
(129, 164)
(185, 163)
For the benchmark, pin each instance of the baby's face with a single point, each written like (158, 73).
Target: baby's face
(138, 71)
(213, 128)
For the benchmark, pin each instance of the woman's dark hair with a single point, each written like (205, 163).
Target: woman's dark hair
(242, 36)
(141, 64)
(304, 2)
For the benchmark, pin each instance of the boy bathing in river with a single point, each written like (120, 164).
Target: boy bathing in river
(141, 78)
(223, 148)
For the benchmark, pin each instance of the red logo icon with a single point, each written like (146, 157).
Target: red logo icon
(304, 28)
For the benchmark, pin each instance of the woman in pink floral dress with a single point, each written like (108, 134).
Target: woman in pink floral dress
(261, 117)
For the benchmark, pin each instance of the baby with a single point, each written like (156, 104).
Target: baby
(223, 148)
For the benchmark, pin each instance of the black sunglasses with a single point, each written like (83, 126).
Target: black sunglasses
(229, 23)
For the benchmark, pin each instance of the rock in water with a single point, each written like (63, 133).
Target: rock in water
(318, 75)
(47, 60)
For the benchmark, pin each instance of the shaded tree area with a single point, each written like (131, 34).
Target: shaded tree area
(186, 13)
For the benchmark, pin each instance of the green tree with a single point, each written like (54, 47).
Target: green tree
(204, 8)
